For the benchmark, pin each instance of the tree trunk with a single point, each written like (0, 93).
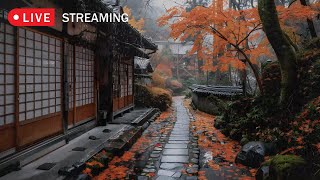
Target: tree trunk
(311, 28)
(285, 52)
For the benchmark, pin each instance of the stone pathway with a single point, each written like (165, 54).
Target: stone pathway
(178, 155)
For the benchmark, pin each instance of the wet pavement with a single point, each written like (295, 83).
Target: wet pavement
(181, 144)
(177, 156)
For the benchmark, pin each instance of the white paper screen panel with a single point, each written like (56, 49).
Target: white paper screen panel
(84, 65)
(39, 75)
(7, 71)
(130, 79)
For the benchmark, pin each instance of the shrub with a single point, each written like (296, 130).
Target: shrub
(288, 167)
(152, 97)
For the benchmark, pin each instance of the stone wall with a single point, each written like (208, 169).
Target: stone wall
(208, 103)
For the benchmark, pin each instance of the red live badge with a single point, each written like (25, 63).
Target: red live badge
(32, 17)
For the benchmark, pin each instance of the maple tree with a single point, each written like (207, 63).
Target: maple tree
(137, 24)
(220, 35)
(225, 37)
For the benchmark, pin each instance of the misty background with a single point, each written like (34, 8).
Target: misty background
(150, 11)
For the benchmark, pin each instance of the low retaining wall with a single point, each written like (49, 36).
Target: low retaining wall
(203, 103)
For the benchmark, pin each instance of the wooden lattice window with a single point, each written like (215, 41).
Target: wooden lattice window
(130, 76)
(84, 66)
(115, 83)
(7, 71)
(39, 75)
(71, 75)
(123, 78)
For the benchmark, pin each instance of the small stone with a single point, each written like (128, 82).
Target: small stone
(192, 171)
(142, 178)
(195, 137)
(195, 166)
(148, 170)
(195, 156)
(155, 155)
(93, 138)
(158, 149)
(194, 160)
(156, 152)
(165, 178)
(150, 167)
(196, 152)
(191, 178)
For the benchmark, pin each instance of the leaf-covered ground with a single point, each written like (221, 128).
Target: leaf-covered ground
(218, 152)
(132, 161)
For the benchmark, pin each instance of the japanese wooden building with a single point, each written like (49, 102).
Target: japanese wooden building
(56, 82)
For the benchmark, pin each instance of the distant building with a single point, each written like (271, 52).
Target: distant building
(142, 71)
(186, 65)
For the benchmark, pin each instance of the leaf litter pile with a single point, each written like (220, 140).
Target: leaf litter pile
(218, 152)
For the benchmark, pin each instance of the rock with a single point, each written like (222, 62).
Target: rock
(191, 178)
(263, 173)
(148, 170)
(288, 167)
(83, 177)
(106, 131)
(157, 149)
(244, 141)
(192, 171)
(155, 155)
(252, 154)
(194, 160)
(93, 138)
(195, 156)
(196, 151)
(143, 178)
(150, 167)
(65, 171)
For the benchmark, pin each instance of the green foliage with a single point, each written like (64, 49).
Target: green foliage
(288, 167)
(309, 72)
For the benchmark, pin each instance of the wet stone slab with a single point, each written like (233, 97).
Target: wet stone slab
(178, 152)
(178, 142)
(165, 173)
(179, 135)
(165, 178)
(176, 146)
(180, 132)
(175, 159)
(171, 166)
(179, 138)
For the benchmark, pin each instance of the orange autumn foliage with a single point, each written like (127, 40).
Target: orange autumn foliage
(222, 147)
(137, 24)
(220, 33)
(214, 28)
(121, 167)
